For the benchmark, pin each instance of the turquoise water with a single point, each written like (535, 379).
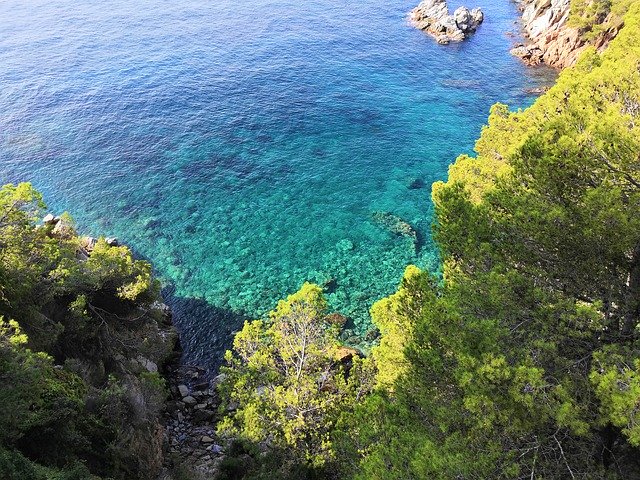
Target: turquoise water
(242, 147)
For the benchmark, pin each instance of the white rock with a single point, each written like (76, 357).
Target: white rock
(111, 241)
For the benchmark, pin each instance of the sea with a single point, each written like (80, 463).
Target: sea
(246, 147)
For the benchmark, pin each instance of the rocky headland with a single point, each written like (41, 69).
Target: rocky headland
(551, 37)
(433, 17)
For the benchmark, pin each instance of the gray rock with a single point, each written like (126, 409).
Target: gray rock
(203, 415)
(148, 364)
(189, 400)
(216, 448)
(477, 15)
(88, 243)
(219, 379)
(184, 390)
(433, 17)
(206, 439)
(462, 16)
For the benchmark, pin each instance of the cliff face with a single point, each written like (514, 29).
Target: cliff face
(551, 37)
(83, 341)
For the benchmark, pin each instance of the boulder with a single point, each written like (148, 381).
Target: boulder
(397, 226)
(112, 241)
(62, 230)
(433, 17)
(88, 243)
(184, 390)
(462, 16)
(530, 54)
(189, 400)
(216, 448)
(203, 415)
(416, 184)
(477, 16)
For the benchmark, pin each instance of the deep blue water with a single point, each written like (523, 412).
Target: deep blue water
(241, 146)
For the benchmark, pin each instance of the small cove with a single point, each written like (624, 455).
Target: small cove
(245, 147)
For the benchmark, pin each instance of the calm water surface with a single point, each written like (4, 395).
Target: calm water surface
(242, 147)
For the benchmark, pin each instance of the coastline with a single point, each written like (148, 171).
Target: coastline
(552, 38)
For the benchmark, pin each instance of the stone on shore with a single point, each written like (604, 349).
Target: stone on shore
(184, 390)
(189, 400)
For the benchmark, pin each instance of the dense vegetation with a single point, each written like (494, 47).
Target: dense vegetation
(80, 340)
(597, 17)
(523, 360)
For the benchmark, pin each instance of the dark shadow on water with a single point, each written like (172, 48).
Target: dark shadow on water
(205, 331)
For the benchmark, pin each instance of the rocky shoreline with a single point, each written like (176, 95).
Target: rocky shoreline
(190, 417)
(550, 37)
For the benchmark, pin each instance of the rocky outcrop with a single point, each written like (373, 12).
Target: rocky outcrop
(117, 349)
(433, 17)
(551, 39)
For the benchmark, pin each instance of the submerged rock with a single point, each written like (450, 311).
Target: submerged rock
(416, 184)
(345, 245)
(396, 225)
(433, 17)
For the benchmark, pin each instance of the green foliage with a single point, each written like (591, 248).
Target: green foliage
(114, 269)
(616, 380)
(595, 17)
(524, 362)
(14, 466)
(285, 378)
(394, 316)
(92, 315)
